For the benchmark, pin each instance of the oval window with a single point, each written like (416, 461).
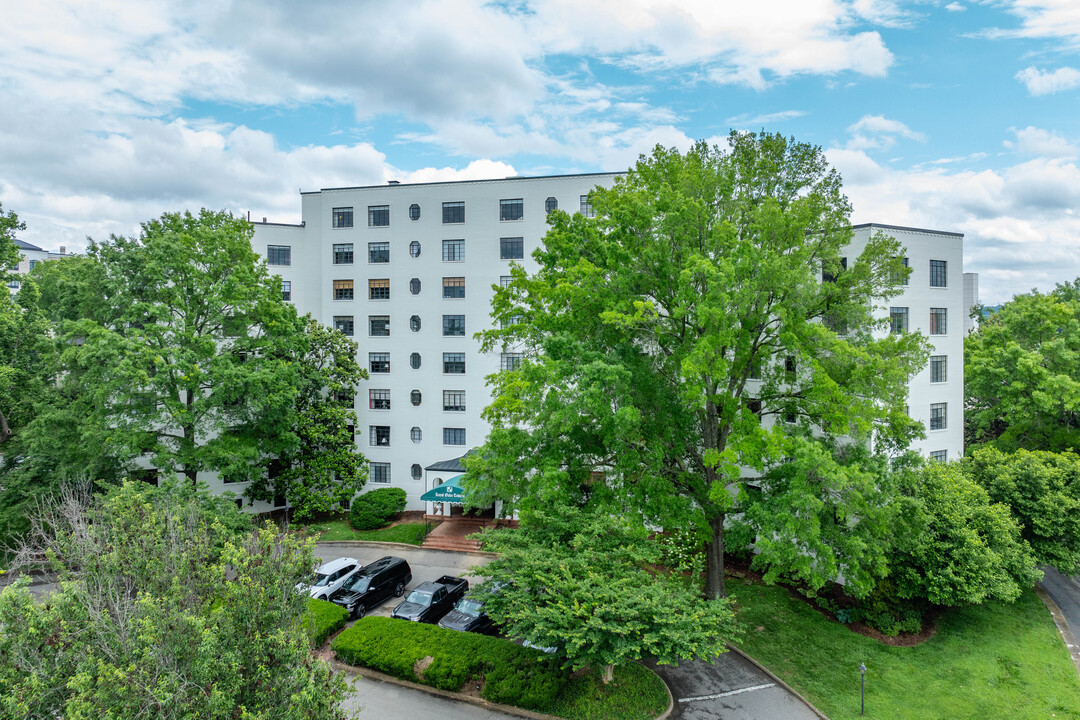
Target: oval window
(414, 360)
(415, 397)
(414, 248)
(417, 435)
(551, 204)
(414, 213)
(414, 286)
(417, 471)
(414, 323)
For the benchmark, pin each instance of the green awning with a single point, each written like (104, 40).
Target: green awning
(450, 491)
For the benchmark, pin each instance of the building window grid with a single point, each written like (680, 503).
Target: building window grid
(416, 472)
(416, 434)
(898, 320)
(938, 368)
(505, 280)
(414, 286)
(453, 363)
(453, 400)
(414, 249)
(511, 248)
(939, 416)
(902, 278)
(378, 215)
(415, 361)
(551, 205)
(453, 212)
(286, 290)
(510, 361)
(378, 399)
(586, 207)
(414, 323)
(414, 212)
(938, 321)
(343, 290)
(379, 362)
(453, 436)
(453, 250)
(939, 276)
(344, 324)
(378, 252)
(416, 397)
(341, 217)
(453, 287)
(513, 209)
(379, 435)
(279, 255)
(379, 289)
(453, 325)
(343, 253)
(939, 455)
(380, 473)
(378, 325)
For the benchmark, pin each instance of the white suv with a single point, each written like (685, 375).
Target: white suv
(330, 577)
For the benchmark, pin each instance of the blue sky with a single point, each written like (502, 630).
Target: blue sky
(945, 114)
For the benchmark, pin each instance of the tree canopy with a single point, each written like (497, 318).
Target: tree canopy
(167, 607)
(581, 583)
(1022, 374)
(671, 341)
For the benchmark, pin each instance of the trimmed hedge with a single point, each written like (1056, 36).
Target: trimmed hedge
(514, 675)
(322, 619)
(376, 509)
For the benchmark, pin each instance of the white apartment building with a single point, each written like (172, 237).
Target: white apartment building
(408, 270)
(31, 256)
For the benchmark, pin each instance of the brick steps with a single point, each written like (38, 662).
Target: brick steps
(452, 534)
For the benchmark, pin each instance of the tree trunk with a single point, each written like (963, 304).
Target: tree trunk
(609, 673)
(714, 560)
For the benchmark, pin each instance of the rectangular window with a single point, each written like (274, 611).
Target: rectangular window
(453, 212)
(379, 325)
(453, 363)
(510, 321)
(378, 215)
(33, 264)
(938, 273)
(938, 324)
(343, 253)
(511, 248)
(341, 217)
(453, 250)
(453, 436)
(898, 320)
(378, 289)
(511, 209)
(453, 325)
(379, 435)
(379, 399)
(902, 277)
(345, 397)
(453, 287)
(586, 207)
(453, 400)
(379, 362)
(378, 252)
(380, 473)
(279, 255)
(510, 361)
(938, 368)
(829, 277)
(286, 290)
(344, 324)
(940, 455)
(343, 289)
(504, 280)
(938, 418)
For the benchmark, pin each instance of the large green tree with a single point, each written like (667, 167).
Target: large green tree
(581, 583)
(167, 607)
(9, 251)
(661, 338)
(1022, 374)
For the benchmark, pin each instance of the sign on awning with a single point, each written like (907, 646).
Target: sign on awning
(450, 491)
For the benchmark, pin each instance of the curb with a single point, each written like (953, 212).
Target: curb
(1062, 626)
(478, 702)
(778, 681)
(403, 546)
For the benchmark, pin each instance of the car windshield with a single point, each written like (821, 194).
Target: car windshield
(420, 598)
(358, 583)
(469, 607)
(321, 579)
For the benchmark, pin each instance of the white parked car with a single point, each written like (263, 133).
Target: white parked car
(330, 577)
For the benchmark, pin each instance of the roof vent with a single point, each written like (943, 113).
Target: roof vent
(393, 182)
(63, 250)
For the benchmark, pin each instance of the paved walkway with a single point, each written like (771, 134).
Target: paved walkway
(377, 700)
(731, 688)
(1065, 592)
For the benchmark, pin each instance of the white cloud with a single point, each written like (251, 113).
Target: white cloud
(746, 120)
(1041, 82)
(876, 132)
(1044, 143)
(1044, 19)
(955, 7)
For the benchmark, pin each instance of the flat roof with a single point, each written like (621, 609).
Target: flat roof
(462, 182)
(907, 229)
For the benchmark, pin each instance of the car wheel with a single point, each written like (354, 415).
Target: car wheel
(358, 611)
(399, 590)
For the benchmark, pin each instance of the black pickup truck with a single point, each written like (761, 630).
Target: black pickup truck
(468, 616)
(431, 600)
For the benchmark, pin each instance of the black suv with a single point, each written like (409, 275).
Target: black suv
(373, 584)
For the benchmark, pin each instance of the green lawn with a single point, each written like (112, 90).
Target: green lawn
(636, 693)
(338, 528)
(992, 661)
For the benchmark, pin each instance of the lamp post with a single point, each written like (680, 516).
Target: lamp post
(862, 689)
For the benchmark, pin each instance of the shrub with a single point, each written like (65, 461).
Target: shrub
(883, 610)
(374, 509)
(323, 619)
(514, 675)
